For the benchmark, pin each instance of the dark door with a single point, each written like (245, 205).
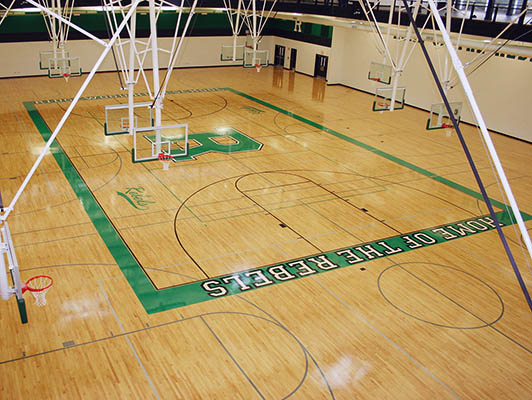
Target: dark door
(279, 55)
(320, 67)
(293, 56)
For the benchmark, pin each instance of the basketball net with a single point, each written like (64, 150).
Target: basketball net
(165, 159)
(38, 286)
(258, 66)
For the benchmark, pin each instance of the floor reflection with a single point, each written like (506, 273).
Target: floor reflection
(318, 89)
(291, 79)
(278, 77)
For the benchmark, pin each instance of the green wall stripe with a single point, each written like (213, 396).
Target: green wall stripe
(31, 26)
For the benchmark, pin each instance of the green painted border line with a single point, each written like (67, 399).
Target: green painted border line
(381, 153)
(339, 135)
(242, 281)
(154, 300)
(131, 269)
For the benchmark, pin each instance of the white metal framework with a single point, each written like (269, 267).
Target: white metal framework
(4, 10)
(236, 17)
(132, 66)
(118, 120)
(246, 13)
(445, 114)
(173, 141)
(9, 263)
(107, 47)
(459, 68)
(128, 66)
(396, 57)
(58, 61)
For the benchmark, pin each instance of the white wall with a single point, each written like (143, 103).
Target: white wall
(306, 53)
(335, 70)
(502, 87)
(22, 58)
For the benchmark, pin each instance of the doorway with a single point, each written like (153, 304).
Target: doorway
(279, 55)
(293, 56)
(320, 67)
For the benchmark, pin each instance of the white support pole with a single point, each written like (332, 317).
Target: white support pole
(175, 42)
(12, 262)
(60, 30)
(235, 37)
(254, 26)
(155, 65)
(7, 9)
(131, 74)
(175, 52)
(370, 16)
(54, 29)
(403, 59)
(395, 82)
(446, 66)
(37, 162)
(60, 18)
(401, 63)
(5, 289)
(485, 134)
(389, 27)
(254, 60)
(237, 28)
(6, 251)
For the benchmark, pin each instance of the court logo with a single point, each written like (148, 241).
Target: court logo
(137, 197)
(224, 141)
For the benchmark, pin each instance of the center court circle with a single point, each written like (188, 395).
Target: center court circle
(440, 295)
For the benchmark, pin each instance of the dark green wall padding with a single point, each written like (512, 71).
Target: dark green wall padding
(31, 27)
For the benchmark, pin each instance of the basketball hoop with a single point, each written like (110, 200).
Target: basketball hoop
(39, 286)
(258, 66)
(448, 129)
(165, 159)
(66, 76)
(384, 106)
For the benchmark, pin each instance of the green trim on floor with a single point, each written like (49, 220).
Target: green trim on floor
(154, 300)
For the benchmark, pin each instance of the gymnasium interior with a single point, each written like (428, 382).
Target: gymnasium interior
(244, 199)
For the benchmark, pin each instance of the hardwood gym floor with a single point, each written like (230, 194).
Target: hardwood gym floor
(310, 249)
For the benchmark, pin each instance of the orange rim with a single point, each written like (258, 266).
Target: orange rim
(165, 157)
(27, 286)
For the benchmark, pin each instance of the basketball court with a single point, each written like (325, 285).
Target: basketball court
(261, 235)
(330, 255)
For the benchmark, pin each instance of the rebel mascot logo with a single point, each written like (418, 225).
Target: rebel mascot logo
(137, 197)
